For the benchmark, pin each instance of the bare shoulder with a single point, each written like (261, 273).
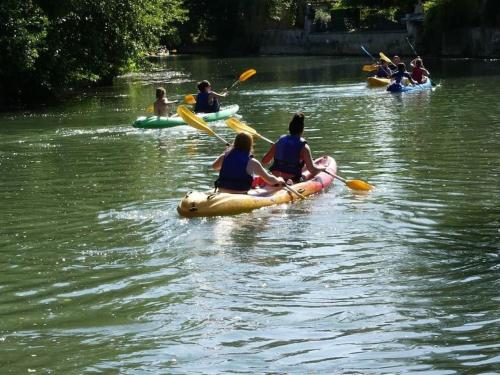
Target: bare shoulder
(254, 162)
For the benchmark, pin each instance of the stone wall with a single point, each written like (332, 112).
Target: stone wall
(284, 42)
(473, 42)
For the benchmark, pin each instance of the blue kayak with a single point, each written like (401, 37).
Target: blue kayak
(398, 87)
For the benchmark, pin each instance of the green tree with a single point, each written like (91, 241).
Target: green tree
(235, 24)
(50, 44)
(23, 32)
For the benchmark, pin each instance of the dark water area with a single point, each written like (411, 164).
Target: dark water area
(99, 274)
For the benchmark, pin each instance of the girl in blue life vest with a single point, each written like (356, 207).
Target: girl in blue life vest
(207, 101)
(399, 75)
(291, 152)
(237, 167)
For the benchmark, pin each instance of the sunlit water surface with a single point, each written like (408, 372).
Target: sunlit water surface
(99, 274)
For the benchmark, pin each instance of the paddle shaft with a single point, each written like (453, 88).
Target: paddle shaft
(411, 46)
(361, 185)
(335, 176)
(294, 191)
(264, 138)
(331, 174)
(222, 139)
(416, 54)
(369, 54)
(233, 84)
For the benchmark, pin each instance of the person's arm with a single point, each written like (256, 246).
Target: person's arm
(307, 157)
(408, 75)
(412, 63)
(255, 168)
(169, 107)
(269, 155)
(214, 94)
(217, 164)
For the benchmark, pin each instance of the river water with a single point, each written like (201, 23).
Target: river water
(99, 274)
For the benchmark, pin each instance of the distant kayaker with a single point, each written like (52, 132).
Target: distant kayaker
(207, 101)
(419, 73)
(400, 74)
(162, 106)
(383, 70)
(291, 152)
(237, 167)
(393, 65)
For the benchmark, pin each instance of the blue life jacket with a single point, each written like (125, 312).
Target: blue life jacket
(233, 174)
(398, 76)
(383, 73)
(287, 155)
(202, 104)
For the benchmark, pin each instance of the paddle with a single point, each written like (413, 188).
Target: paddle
(191, 99)
(240, 127)
(416, 54)
(243, 77)
(197, 122)
(411, 46)
(369, 54)
(151, 108)
(385, 58)
(200, 124)
(291, 189)
(370, 68)
(353, 184)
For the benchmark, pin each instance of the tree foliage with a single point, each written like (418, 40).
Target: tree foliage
(234, 24)
(49, 44)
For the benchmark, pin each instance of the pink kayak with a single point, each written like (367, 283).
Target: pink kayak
(209, 203)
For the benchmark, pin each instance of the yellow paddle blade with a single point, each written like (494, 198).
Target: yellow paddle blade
(189, 99)
(240, 127)
(384, 57)
(370, 68)
(247, 74)
(193, 120)
(358, 185)
(150, 108)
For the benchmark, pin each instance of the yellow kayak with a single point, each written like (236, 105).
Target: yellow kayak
(197, 204)
(377, 82)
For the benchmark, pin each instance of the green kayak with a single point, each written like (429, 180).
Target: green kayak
(153, 122)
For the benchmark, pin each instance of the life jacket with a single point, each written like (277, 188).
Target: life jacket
(202, 104)
(398, 76)
(383, 72)
(417, 74)
(233, 174)
(287, 155)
